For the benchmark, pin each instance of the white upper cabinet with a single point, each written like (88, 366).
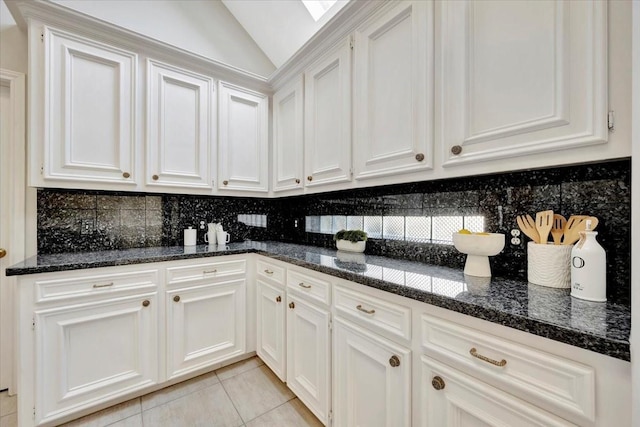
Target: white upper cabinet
(521, 77)
(393, 102)
(288, 136)
(180, 127)
(328, 117)
(89, 111)
(243, 143)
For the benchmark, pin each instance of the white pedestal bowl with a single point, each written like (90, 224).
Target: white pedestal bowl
(478, 247)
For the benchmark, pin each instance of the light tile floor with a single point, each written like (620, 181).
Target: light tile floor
(246, 393)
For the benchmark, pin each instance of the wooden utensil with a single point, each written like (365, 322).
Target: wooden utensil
(544, 223)
(575, 224)
(558, 228)
(528, 226)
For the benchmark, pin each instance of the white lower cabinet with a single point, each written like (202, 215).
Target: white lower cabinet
(452, 398)
(309, 355)
(271, 328)
(93, 351)
(371, 379)
(205, 325)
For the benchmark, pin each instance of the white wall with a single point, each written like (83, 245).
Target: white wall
(13, 43)
(635, 226)
(203, 27)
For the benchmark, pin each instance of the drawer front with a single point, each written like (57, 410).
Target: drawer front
(205, 271)
(95, 284)
(311, 286)
(270, 271)
(374, 313)
(561, 386)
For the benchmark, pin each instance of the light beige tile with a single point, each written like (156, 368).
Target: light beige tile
(178, 390)
(135, 421)
(108, 416)
(8, 404)
(9, 420)
(210, 407)
(238, 368)
(291, 414)
(256, 392)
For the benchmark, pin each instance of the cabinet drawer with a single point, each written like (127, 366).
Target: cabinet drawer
(270, 271)
(206, 271)
(376, 314)
(559, 385)
(311, 286)
(96, 284)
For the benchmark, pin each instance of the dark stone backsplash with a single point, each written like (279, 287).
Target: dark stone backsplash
(125, 220)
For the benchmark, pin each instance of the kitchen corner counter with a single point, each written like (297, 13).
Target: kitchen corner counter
(547, 312)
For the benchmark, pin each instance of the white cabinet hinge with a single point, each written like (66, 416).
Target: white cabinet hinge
(351, 172)
(42, 169)
(351, 43)
(33, 323)
(34, 412)
(331, 415)
(42, 37)
(610, 118)
(330, 325)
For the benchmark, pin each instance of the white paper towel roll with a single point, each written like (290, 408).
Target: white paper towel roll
(190, 235)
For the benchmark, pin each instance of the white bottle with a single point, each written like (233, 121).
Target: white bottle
(589, 268)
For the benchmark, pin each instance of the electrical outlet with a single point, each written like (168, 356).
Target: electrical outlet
(515, 241)
(515, 232)
(87, 226)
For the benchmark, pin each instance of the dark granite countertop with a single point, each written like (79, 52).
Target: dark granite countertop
(552, 313)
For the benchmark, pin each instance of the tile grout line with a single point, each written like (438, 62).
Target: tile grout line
(272, 409)
(231, 400)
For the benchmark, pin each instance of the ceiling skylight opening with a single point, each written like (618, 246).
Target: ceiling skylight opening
(317, 8)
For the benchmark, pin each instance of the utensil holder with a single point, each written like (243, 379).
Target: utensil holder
(549, 265)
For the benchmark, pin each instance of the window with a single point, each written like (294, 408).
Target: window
(317, 8)
(253, 220)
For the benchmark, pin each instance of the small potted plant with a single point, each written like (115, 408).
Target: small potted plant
(351, 240)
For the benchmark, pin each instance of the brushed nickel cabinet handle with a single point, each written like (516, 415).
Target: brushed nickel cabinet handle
(176, 298)
(302, 285)
(437, 383)
(268, 271)
(209, 271)
(297, 181)
(419, 157)
(456, 149)
(103, 285)
(126, 174)
(278, 298)
(364, 310)
(155, 177)
(475, 354)
(146, 303)
(394, 361)
(292, 305)
(309, 178)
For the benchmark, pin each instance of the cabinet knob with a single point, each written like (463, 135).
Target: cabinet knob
(126, 174)
(419, 157)
(437, 383)
(309, 178)
(279, 299)
(456, 149)
(176, 298)
(225, 182)
(155, 177)
(146, 303)
(394, 361)
(297, 181)
(292, 305)
(3, 252)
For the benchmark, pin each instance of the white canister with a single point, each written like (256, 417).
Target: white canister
(190, 235)
(549, 264)
(589, 268)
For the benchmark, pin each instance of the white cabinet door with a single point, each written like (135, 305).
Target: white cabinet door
(243, 158)
(393, 102)
(520, 77)
(371, 379)
(327, 123)
(271, 327)
(205, 325)
(288, 136)
(451, 398)
(309, 355)
(90, 107)
(180, 127)
(89, 353)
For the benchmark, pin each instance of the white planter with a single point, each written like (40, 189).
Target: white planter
(346, 245)
(549, 265)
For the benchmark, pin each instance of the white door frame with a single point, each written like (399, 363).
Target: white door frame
(13, 220)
